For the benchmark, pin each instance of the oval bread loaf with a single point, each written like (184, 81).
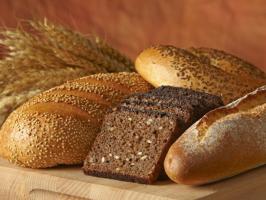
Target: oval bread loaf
(59, 125)
(229, 63)
(168, 65)
(225, 142)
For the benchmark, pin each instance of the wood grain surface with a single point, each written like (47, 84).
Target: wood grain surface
(69, 183)
(237, 26)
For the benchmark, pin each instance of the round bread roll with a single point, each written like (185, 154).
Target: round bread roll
(168, 65)
(59, 125)
(225, 142)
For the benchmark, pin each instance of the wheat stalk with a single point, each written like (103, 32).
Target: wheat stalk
(91, 48)
(50, 45)
(47, 55)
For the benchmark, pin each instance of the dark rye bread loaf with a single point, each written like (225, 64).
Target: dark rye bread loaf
(136, 135)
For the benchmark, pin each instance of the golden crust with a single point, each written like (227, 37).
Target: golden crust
(229, 63)
(168, 65)
(225, 142)
(59, 125)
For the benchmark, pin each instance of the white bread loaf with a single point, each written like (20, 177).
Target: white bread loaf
(168, 65)
(59, 125)
(225, 142)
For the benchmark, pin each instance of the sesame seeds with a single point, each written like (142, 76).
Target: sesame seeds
(116, 157)
(143, 157)
(223, 60)
(149, 141)
(69, 129)
(149, 121)
(212, 73)
(111, 128)
(139, 153)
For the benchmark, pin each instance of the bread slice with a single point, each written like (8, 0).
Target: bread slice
(132, 145)
(187, 104)
(135, 136)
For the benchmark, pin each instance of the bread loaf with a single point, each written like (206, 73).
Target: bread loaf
(229, 63)
(59, 125)
(168, 65)
(35, 64)
(225, 142)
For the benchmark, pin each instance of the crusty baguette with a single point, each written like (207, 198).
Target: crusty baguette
(59, 125)
(225, 142)
(168, 65)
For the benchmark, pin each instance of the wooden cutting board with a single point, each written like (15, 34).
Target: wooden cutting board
(69, 183)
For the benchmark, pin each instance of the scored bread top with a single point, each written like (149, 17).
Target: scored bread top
(244, 104)
(225, 142)
(59, 125)
(168, 65)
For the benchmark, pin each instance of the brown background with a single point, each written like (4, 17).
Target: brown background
(238, 26)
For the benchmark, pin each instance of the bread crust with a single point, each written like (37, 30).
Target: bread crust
(229, 63)
(168, 65)
(225, 142)
(59, 125)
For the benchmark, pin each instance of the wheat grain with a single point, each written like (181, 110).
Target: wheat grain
(58, 44)
(47, 55)
(91, 48)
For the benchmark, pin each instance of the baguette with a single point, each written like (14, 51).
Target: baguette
(168, 65)
(58, 126)
(225, 142)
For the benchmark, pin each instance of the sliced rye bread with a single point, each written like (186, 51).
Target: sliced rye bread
(162, 115)
(187, 104)
(136, 155)
(184, 114)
